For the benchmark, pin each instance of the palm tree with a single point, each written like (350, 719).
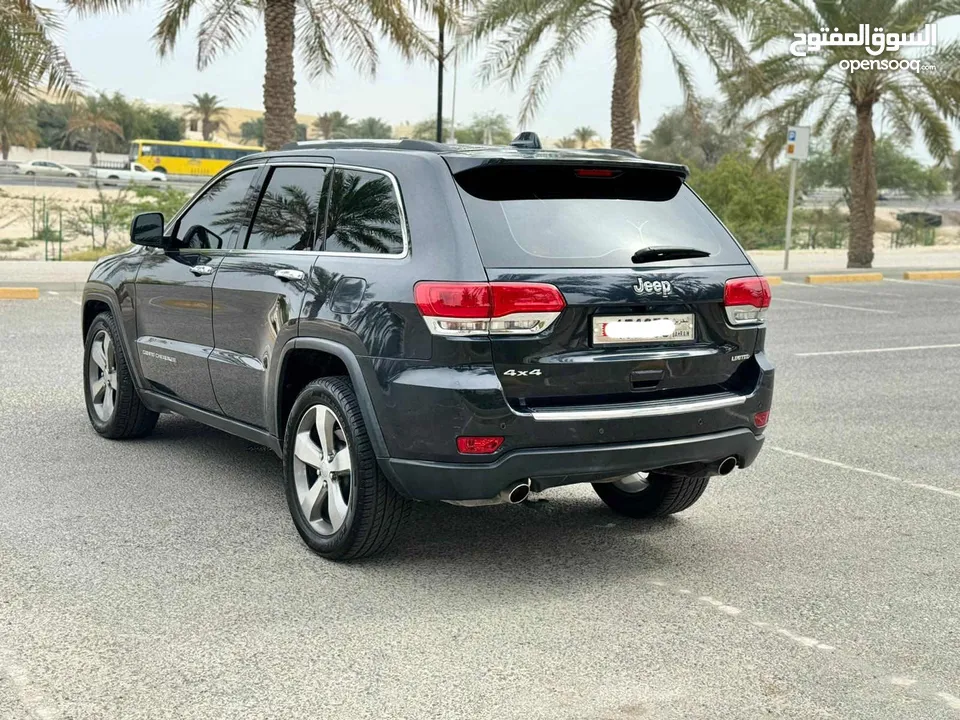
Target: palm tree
(252, 131)
(840, 101)
(518, 27)
(332, 125)
(317, 28)
(567, 142)
(584, 134)
(92, 119)
(29, 56)
(371, 128)
(209, 110)
(17, 126)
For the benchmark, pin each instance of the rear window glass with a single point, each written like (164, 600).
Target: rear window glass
(565, 216)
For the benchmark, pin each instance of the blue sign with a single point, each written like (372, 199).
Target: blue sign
(791, 136)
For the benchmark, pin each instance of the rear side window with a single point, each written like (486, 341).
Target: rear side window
(567, 216)
(364, 214)
(286, 216)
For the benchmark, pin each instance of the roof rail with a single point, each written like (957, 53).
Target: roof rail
(363, 143)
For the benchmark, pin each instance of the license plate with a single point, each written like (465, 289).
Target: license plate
(642, 329)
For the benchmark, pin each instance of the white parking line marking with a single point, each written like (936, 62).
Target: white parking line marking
(864, 471)
(36, 704)
(841, 289)
(840, 307)
(902, 681)
(952, 701)
(732, 611)
(878, 350)
(921, 282)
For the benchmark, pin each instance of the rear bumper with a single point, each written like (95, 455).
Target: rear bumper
(550, 467)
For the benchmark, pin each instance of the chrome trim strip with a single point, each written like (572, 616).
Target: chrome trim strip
(637, 411)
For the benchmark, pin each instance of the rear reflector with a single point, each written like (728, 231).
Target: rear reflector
(463, 309)
(760, 419)
(483, 445)
(745, 299)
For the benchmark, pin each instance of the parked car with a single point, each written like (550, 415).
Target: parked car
(47, 167)
(411, 320)
(136, 174)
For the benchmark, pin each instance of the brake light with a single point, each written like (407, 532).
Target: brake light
(760, 419)
(482, 445)
(745, 300)
(464, 309)
(595, 173)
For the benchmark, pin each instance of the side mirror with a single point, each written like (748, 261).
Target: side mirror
(147, 229)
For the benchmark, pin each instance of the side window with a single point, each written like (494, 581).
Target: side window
(211, 220)
(286, 216)
(364, 214)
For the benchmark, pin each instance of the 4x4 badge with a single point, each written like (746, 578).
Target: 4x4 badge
(661, 287)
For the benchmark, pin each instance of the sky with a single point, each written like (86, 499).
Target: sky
(115, 53)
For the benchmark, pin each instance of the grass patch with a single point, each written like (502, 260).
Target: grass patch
(96, 253)
(8, 244)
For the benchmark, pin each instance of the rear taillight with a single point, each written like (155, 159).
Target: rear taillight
(745, 299)
(463, 309)
(760, 419)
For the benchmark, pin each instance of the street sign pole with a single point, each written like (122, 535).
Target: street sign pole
(786, 241)
(798, 146)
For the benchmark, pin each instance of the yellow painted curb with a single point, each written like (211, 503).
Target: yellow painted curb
(844, 278)
(932, 275)
(19, 293)
(774, 279)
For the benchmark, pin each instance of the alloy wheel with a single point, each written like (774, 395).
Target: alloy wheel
(102, 376)
(322, 470)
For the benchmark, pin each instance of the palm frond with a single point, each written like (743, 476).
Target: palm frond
(223, 27)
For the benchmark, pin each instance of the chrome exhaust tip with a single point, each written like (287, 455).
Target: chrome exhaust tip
(516, 494)
(727, 466)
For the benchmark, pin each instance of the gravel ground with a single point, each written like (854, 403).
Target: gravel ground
(163, 578)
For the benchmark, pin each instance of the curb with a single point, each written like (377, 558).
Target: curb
(843, 278)
(45, 286)
(19, 293)
(932, 275)
(773, 279)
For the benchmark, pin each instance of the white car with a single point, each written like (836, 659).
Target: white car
(47, 167)
(136, 174)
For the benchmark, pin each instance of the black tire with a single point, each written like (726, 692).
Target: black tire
(663, 495)
(29, 172)
(129, 418)
(375, 510)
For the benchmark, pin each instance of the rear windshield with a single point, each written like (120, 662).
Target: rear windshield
(567, 216)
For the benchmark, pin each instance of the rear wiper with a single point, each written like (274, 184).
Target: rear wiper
(655, 254)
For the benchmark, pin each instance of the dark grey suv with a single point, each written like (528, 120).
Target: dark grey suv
(417, 321)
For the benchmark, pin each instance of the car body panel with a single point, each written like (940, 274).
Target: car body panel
(232, 331)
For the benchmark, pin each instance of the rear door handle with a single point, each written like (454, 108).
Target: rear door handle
(288, 274)
(201, 269)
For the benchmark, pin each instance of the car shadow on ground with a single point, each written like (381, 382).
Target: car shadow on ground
(569, 530)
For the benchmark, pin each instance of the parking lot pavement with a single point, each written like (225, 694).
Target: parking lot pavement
(163, 579)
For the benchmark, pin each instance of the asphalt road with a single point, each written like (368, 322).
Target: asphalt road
(181, 182)
(163, 578)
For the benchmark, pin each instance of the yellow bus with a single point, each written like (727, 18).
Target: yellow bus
(187, 157)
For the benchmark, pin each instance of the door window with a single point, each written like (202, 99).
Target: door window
(286, 216)
(364, 214)
(217, 214)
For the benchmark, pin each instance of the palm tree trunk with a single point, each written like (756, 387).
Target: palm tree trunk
(863, 191)
(94, 143)
(279, 96)
(624, 101)
(5, 144)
